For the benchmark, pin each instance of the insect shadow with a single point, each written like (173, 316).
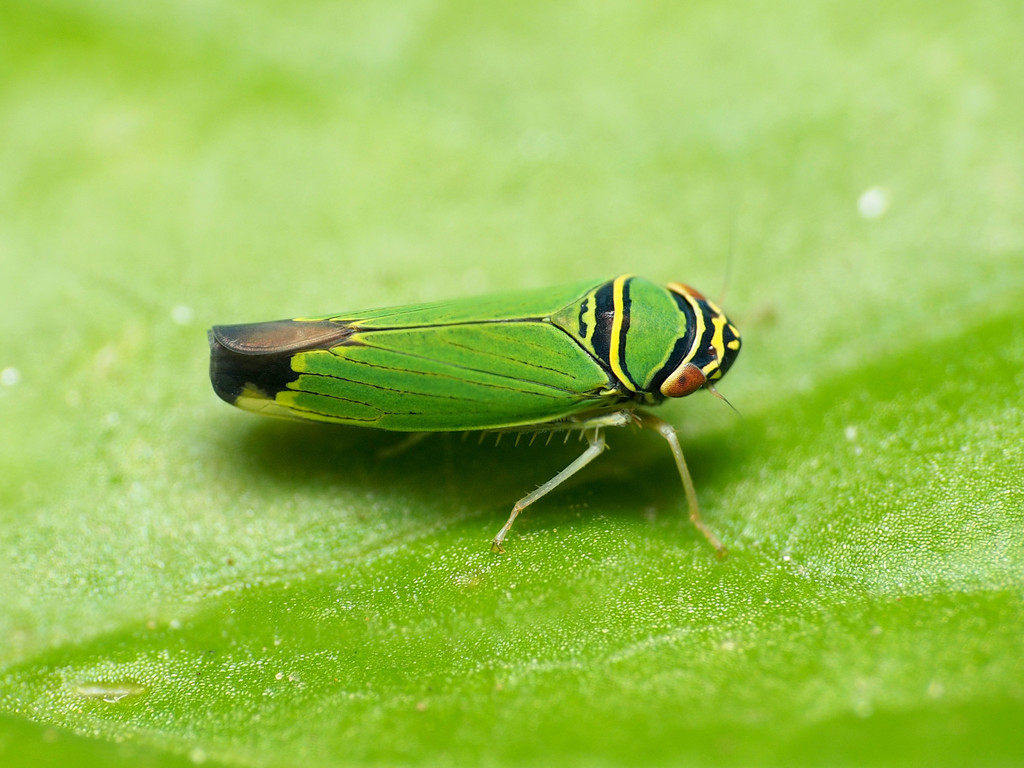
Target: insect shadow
(482, 473)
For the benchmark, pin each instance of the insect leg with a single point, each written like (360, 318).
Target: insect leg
(594, 449)
(403, 445)
(668, 432)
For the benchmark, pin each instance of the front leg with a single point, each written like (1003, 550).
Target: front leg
(668, 432)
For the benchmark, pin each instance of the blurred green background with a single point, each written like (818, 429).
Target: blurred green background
(184, 583)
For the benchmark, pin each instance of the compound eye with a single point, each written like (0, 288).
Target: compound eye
(683, 381)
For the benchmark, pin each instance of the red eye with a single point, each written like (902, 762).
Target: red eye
(684, 381)
(694, 292)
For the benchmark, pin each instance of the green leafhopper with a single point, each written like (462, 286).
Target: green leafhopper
(578, 357)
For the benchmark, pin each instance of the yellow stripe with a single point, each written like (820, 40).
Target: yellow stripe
(618, 305)
(718, 342)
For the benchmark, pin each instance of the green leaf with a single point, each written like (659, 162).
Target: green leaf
(185, 583)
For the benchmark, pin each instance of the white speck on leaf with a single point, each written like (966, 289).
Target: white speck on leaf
(873, 203)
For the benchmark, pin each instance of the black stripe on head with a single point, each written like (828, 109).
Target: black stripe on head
(704, 351)
(583, 313)
(604, 307)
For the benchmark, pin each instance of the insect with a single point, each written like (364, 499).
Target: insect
(580, 357)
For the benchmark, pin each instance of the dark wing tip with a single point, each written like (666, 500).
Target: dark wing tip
(258, 355)
(232, 371)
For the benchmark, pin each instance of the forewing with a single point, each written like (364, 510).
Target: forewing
(480, 375)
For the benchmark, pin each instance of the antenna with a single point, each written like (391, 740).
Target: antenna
(711, 388)
(729, 259)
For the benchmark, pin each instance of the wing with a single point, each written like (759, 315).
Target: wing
(467, 376)
(422, 368)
